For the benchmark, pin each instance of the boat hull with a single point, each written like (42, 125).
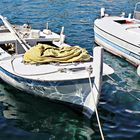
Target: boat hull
(115, 43)
(74, 92)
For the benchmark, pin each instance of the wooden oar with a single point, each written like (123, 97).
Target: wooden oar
(13, 31)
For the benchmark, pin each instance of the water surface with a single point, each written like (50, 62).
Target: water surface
(23, 116)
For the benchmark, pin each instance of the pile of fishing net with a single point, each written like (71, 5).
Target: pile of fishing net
(42, 53)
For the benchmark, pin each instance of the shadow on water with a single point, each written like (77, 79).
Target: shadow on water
(120, 110)
(37, 117)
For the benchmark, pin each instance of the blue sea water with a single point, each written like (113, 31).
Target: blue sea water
(25, 117)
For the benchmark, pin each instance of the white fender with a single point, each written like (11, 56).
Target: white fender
(138, 70)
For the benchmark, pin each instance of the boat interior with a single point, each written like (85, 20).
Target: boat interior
(27, 36)
(129, 20)
(9, 48)
(10, 45)
(124, 21)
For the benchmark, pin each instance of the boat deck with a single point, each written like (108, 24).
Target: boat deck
(51, 71)
(125, 33)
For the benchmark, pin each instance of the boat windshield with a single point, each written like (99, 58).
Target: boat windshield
(137, 11)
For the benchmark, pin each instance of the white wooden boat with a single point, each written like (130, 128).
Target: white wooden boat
(120, 35)
(64, 82)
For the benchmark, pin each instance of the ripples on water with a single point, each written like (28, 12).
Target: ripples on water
(24, 116)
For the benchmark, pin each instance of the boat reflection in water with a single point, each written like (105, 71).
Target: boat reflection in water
(39, 115)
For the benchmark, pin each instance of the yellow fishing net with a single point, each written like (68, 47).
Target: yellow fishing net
(43, 53)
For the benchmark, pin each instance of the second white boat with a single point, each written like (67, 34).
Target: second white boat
(120, 35)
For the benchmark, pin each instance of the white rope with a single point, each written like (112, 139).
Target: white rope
(96, 111)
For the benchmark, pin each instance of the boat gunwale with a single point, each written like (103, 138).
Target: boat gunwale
(43, 82)
(116, 36)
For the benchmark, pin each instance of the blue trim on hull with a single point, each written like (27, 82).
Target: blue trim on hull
(53, 90)
(117, 47)
(44, 83)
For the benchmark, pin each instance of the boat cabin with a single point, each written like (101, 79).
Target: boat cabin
(17, 39)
